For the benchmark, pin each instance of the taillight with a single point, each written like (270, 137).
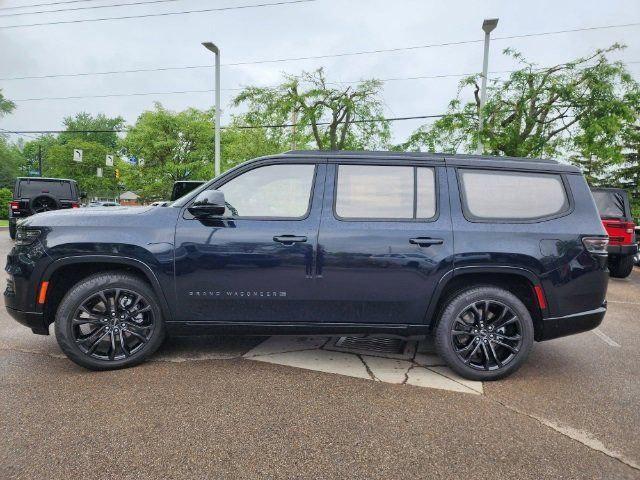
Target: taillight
(631, 227)
(75, 205)
(14, 205)
(596, 245)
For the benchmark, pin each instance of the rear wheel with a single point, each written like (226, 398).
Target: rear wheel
(108, 321)
(484, 333)
(621, 267)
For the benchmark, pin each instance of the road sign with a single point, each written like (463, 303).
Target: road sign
(109, 161)
(99, 172)
(77, 155)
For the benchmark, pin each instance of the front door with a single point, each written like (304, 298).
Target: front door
(385, 240)
(255, 263)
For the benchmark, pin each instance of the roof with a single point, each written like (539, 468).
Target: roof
(48, 179)
(446, 158)
(129, 196)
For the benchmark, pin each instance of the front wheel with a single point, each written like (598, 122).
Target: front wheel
(108, 321)
(484, 333)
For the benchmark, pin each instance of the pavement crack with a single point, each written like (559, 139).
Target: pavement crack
(579, 436)
(406, 374)
(369, 371)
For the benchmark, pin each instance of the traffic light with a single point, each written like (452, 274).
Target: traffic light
(117, 173)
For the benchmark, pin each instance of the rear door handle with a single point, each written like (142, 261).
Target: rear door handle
(289, 239)
(426, 241)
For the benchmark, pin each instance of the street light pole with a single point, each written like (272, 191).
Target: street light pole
(488, 26)
(213, 48)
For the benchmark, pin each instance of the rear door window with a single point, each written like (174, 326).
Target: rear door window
(385, 192)
(517, 196)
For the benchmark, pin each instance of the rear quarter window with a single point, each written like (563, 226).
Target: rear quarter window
(512, 196)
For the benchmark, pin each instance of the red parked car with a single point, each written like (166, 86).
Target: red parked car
(615, 212)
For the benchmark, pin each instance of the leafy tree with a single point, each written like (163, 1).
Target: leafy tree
(93, 127)
(579, 107)
(6, 105)
(5, 198)
(11, 163)
(174, 146)
(59, 163)
(330, 117)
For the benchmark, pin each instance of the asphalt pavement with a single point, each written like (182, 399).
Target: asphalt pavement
(200, 410)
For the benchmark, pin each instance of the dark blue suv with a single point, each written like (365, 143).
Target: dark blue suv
(487, 254)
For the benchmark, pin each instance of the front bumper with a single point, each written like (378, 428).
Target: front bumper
(570, 324)
(33, 320)
(623, 249)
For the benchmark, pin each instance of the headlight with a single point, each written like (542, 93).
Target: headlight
(26, 236)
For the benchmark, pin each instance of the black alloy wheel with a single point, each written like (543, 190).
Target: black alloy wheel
(109, 320)
(484, 333)
(113, 324)
(487, 335)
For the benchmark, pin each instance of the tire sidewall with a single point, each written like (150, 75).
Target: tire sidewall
(444, 342)
(89, 286)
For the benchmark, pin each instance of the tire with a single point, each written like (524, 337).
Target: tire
(43, 203)
(141, 319)
(12, 230)
(468, 307)
(621, 267)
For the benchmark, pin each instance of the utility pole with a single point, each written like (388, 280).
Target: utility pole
(213, 48)
(294, 122)
(488, 26)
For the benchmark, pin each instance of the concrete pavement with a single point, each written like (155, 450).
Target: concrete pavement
(200, 410)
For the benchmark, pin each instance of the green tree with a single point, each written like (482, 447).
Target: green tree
(576, 108)
(5, 198)
(173, 146)
(6, 105)
(332, 118)
(12, 163)
(97, 129)
(59, 163)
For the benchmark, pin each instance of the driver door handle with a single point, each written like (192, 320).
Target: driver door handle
(289, 239)
(426, 241)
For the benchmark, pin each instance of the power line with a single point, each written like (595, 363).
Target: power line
(163, 14)
(88, 7)
(210, 90)
(16, 7)
(244, 127)
(316, 57)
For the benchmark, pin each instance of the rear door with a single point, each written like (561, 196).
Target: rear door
(385, 240)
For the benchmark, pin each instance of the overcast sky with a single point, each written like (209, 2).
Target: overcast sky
(293, 30)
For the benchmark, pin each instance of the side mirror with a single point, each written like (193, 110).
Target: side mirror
(208, 203)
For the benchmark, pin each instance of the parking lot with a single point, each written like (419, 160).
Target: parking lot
(206, 408)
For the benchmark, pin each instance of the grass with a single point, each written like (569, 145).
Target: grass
(4, 223)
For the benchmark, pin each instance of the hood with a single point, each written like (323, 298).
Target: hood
(98, 216)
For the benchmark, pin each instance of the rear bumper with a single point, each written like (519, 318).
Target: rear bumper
(33, 320)
(570, 324)
(623, 249)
